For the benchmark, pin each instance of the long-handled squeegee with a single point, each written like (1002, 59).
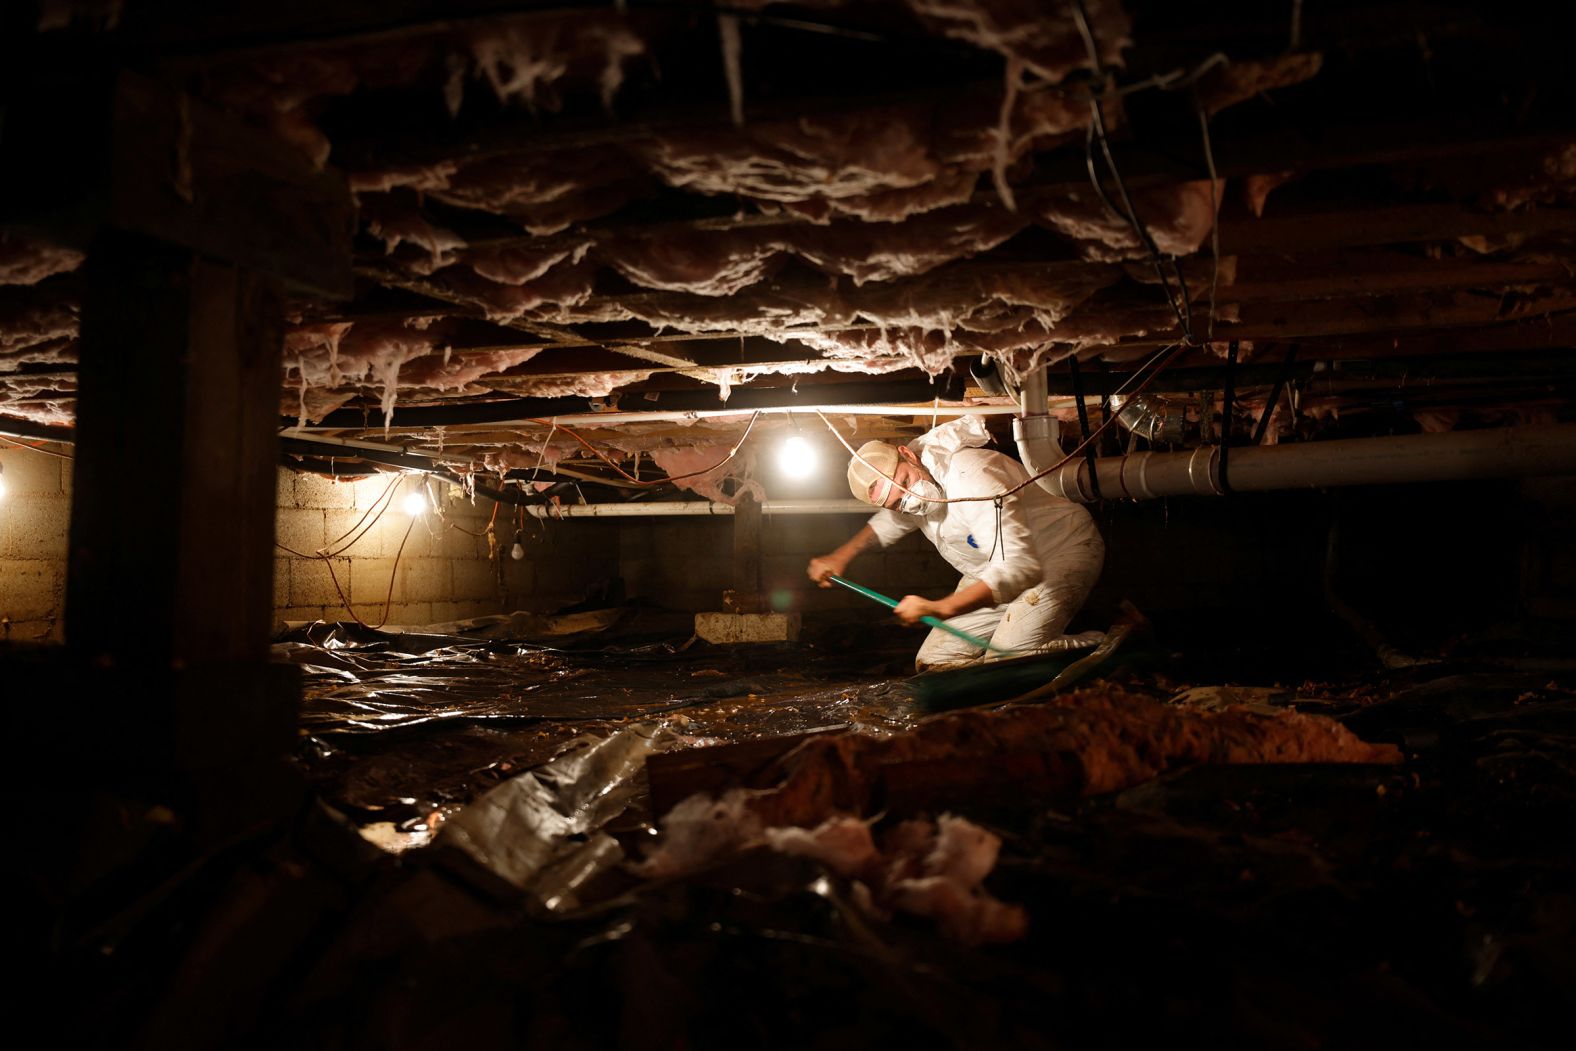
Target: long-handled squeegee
(935, 622)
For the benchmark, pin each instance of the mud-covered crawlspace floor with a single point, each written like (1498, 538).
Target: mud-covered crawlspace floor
(1147, 855)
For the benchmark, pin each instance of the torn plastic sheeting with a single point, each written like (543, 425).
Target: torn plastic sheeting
(521, 830)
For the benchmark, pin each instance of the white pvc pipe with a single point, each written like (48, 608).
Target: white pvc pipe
(1037, 432)
(672, 508)
(1506, 452)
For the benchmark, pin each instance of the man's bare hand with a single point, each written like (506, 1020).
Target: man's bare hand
(823, 569)
(914, 607)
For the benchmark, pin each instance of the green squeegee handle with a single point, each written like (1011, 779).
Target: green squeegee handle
(934, 622)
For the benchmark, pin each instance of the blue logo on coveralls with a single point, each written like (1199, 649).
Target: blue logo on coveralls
(973, 543)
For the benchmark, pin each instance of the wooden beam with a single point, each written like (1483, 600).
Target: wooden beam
(857, 392)
(747, 555)
(1383, 274)
(1303, 230)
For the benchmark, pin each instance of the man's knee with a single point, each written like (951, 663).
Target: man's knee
(921, 665)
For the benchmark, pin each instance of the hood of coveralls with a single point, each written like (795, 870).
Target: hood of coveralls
(936, 447)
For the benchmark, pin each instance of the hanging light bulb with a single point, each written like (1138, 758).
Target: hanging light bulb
(796, 457)
(517, 552)
(416, 501)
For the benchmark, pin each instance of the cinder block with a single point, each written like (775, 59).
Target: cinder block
(424, 580)
(284, 488)
(409, 613)
(519, 579)
(48, 629)
(282, 582)
(28, 473)
(425, 539)
(474, 579)
(810, 534)
(445, 611)
(339, 527)
(458, 544)
(312, 585)
(747, 627)
(369, 579)
(306, 613)
(786, 570)
(300, 530)
(31, 588)
(478, 608)
(35, 526)
(315, 490)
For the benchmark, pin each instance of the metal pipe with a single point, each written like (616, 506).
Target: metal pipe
(1453, 456)
(675, 508)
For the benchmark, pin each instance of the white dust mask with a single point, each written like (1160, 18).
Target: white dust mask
(921, 497)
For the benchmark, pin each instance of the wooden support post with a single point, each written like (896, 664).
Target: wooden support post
(747, 555)
(172, 524)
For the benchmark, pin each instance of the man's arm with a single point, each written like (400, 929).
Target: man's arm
(975, 596)
(825, 567)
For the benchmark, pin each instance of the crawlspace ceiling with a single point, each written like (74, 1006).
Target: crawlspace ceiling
(580, 211)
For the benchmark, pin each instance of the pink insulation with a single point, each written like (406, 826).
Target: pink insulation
(682, 461)
(705, 262)
(882, 163)
(1178, 217)
(25, 261)
(545, 192)
(723, 262)
(1256, 189)
(927, 868)
(1047, 44)
(397, 220)
(1237, 81)
(521, 265)
(416, 177)
(884, 251)
(328, 364)
(30, 326)
(527, 59)
(552, 294)
(577, 385)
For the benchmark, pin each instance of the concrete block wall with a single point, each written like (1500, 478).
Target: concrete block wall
(687, 563)
(430, 569)
(788, 542)
(35, 520)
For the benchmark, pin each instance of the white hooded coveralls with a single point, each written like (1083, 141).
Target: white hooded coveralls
(1039, 554)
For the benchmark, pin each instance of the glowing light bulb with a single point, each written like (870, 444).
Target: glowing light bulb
(796, 457)
(415, 503)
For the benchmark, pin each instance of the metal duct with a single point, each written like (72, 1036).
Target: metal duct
(1151, 416)
(1458, 455)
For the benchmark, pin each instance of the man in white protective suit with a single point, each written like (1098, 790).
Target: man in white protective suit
(1028, 560)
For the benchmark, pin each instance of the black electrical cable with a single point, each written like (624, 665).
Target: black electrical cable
(1225, 416)
(1083, 426)
(1280, 383)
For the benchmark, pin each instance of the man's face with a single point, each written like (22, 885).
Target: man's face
(908, 471)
